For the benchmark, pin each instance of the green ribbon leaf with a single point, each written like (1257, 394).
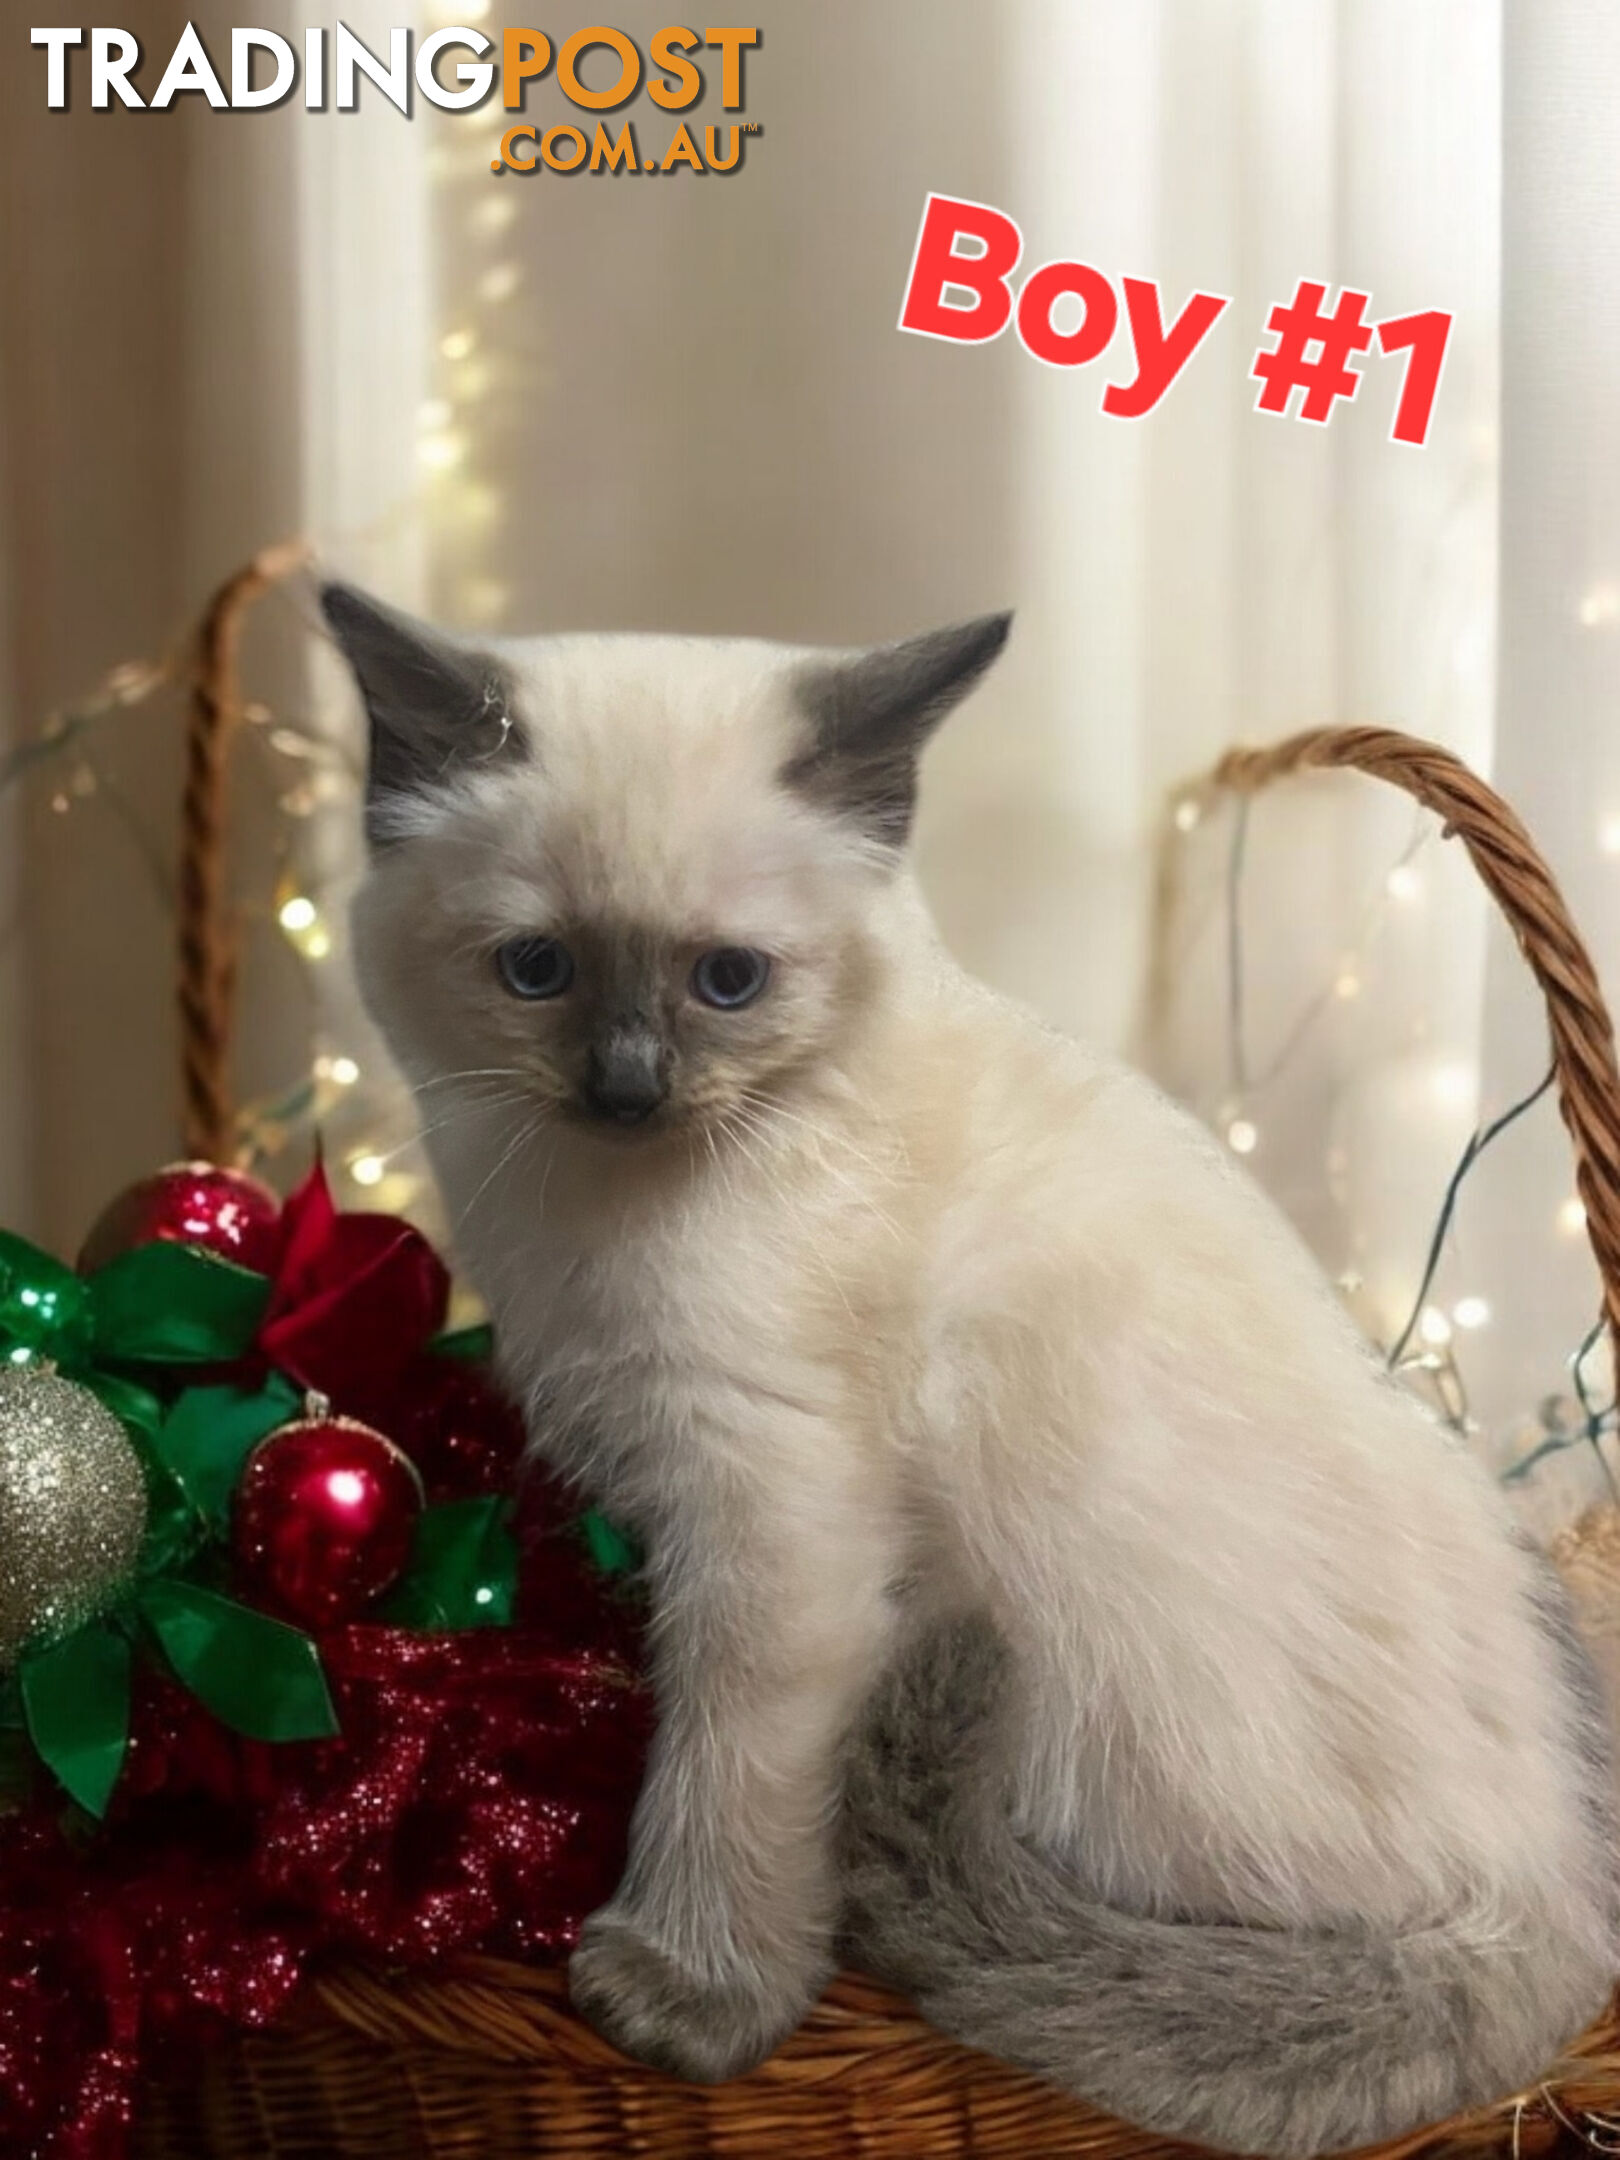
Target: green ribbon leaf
(462, 1572)
(168, 1304)
(473, 1345)
(612, 1551)
(76, 1700)
(174, 1528)
(208, 1435)
(138, 1407)
(255, 1674)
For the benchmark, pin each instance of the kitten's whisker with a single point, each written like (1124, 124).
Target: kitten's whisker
(465, 948)
(456, 1117)
(382, 1157)
(768, 1106)
(737, 1126)
(764, 1156)
(508, 1154)
(473, 1072)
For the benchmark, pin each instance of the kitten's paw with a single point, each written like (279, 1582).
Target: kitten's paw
(638, 1997)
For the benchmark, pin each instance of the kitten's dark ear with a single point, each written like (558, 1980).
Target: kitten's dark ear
(433, 703)
(871, 713)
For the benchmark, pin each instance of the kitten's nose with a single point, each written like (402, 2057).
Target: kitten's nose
(624, 1077)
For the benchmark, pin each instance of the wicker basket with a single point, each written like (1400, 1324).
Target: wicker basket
(486, 2059)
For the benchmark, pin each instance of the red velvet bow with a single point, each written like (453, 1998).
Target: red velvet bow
(356, 1298)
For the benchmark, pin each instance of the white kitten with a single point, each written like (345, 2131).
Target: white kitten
(1056, 1609)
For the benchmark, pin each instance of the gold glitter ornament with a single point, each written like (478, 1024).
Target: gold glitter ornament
(72, 1505)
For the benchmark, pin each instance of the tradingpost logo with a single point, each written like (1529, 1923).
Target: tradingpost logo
(457, 69)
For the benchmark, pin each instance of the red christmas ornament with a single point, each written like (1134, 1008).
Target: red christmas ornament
(324, 1515)
(194, 1203)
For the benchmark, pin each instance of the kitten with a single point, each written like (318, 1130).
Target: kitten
(1057, 1611)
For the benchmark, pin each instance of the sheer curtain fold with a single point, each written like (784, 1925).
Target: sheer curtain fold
(1213, 575)
(1558, 709)
(212, 338)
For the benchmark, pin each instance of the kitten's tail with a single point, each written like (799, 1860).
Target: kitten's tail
(1250, 2039)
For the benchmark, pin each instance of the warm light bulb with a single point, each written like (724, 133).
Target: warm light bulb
(318, 944)
(1403, 883)
(345, 1071)
(366, 1169)
(1347, 983)
(297, 914)
(494, 214)
(1471, 1312)
(1571, 1217)
(1434, 1327)
(443, 451)
(500, 283)
(1187, 813)
(457, 344)
(1242, 1137)
(435, 412)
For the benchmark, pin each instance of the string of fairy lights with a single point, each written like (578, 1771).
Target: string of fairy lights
(482, 369)
(68, 757)
(308, 774)
(1425, 1344)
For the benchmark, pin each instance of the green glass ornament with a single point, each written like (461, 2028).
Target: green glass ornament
(45, 1310)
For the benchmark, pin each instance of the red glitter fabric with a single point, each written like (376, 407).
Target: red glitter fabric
(478, 1799)
(478, 1796)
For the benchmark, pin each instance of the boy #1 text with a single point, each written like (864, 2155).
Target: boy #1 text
(960, 289)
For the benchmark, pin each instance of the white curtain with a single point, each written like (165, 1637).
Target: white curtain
(1558, 692)
(1212, 575)
(214, 336)
(682, 402)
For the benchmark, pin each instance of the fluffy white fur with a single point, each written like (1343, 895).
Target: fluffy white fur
(913, 1310)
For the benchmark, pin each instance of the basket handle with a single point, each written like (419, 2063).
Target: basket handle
(205, 938)
(1523, 887)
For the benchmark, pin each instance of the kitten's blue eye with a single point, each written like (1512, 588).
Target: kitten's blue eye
(730, 976)
(534, 967)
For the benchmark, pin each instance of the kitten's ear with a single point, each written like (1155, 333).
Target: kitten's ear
(872, 712)
(433, 703)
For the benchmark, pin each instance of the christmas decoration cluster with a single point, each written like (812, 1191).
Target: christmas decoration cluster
(285, 1669)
